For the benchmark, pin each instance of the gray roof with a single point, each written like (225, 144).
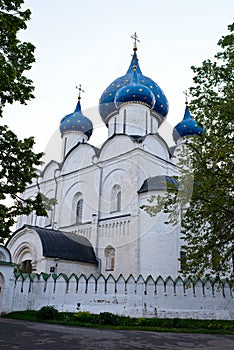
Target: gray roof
(159, 182)
(64, 245)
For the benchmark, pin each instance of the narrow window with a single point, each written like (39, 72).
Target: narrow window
(182, 260)
(79, 211)
(65, 147)
(116, 199)
(124, 121)
(151, 125)
(115, 125)
(110, 258)
(146, 122)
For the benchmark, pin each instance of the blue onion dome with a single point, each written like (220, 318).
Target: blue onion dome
(107, 106)
(187, 127)
(76, 122)
(134, 92)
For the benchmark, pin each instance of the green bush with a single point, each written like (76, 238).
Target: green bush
(86, 316)
(48, 313)
(108, 318)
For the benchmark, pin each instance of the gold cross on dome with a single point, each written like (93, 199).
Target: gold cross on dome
(80, 90)
(186, 96)
(135, 38)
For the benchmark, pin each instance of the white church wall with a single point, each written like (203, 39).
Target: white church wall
(115, 147)
(68, 267)
(159, 243)
(49, 171)
(138, 120)
(122, 235)
(70, 140)
(155, 145)
(47, 186)
(82, 183)
(79, 158)
(121, 174)
(153, 297)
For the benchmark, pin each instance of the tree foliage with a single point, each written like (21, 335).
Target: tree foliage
(18, 162)
(15, 56)
(207, 212)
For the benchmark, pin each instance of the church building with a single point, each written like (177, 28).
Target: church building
(97, 225)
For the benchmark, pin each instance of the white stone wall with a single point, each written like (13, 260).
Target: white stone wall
(69, 267)
(131, 297)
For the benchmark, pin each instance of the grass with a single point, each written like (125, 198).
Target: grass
(111, 321)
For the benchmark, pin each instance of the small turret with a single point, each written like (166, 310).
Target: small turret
(74, 128)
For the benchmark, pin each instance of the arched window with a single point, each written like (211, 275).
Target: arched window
(116, 199)
(110, 258)
(79, 211)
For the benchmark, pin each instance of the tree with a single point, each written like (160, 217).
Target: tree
(18, 162)
(15, 56)
(207, 215)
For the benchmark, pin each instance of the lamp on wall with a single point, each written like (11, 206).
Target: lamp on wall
(53, 269)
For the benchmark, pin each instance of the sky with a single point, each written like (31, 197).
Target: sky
(89, 42)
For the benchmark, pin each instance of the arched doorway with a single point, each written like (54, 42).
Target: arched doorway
(24, 258)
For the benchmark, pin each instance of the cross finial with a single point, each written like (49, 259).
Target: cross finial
(135, 38)
(186, 96)
(80, 90)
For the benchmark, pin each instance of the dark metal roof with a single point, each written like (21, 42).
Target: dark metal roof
(159, 182)
(64, 245)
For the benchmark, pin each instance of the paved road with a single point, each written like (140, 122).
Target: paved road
(20, 335)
